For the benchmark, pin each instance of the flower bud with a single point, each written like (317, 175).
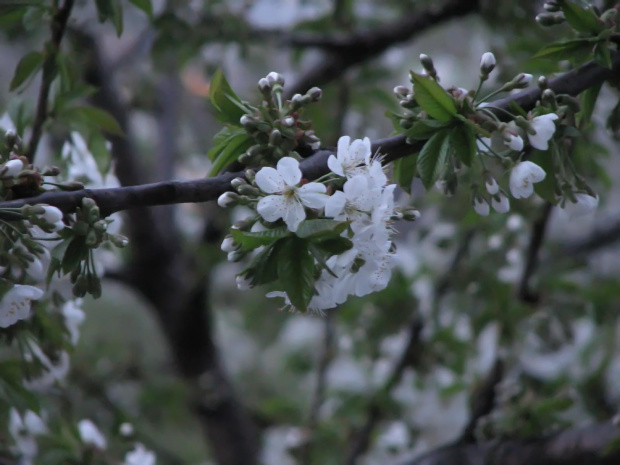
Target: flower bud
(275, 138)
(228, 199)
(520, 81)
(91, 238)
(481, 206)
(235, 256)
(550, 19)
(247, 190)
(264, 85)
(288, 121)
(10, 138)
(51, 214)
(248, 122)
(490, 184)
(487, 64)
(250, 175)
(401, 91)
(410, 214)
(315, 94)
(551, 7)
(500, 203)
(274, 77)
(12, 168)
(543, 83)
(243, 284)
(427, 64)
(237, 183)
(70, 186)
(229, 244)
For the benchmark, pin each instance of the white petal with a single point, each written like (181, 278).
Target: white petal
(334, 165)
(288, 169)
(294, 214)
(502, 205)
(335, 204)
(312, 195)
(269, 180)
(272, 207)
(343, 147)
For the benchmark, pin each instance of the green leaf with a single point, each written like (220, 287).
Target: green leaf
(602, 55)
(547, 187)
(463, 143)
(321, 228)
(113, 10)
(432, 157)
(77, 250)
(229, 150)
(433, 98)
(424, 129)
(565, 50)
(225, 100)
(94, 117)
(405, 170)
(144, 5)
(251, 240)
(333, 246)
(588, 102)
(296, 272)
(582, 19)
(27, 66)
(264, 267)
(518, 109)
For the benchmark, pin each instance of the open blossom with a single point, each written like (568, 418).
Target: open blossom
(523, 177)
(288, 201)
(15, 304)
(545, 127)
(584, 204)
(350, 156)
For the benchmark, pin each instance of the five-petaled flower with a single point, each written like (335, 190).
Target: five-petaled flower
(545, 127)
(287, 200)
(523, 177)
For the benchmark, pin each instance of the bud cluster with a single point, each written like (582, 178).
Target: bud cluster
(277, 126)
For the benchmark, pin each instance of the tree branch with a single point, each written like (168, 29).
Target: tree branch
(58, 27)
(203, 190)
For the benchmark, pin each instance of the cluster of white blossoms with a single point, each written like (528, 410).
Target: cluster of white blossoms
(366, 203)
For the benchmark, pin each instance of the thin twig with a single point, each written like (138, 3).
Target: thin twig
(58, 27)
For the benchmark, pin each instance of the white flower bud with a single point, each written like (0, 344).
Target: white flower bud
(227, 199)
(13, 168)
(289, 121)
(229, 244)
(275, 77)
(243, 284)
(524, 80)
(51, 214)
(487, 63)
(126, 429)
(401, 91)
(512, 140)
(491, 185)
(500, 203)
(481, 206)
(264, 85)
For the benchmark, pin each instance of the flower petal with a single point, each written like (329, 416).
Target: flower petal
(312, 195)
(294, 214)
(334, 165)
(335, 204)
(269, 180)
(272, 207)
(288, 169)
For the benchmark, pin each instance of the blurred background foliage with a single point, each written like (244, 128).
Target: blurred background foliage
(525, 301)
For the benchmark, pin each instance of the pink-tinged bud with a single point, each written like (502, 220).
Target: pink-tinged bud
(13, 168)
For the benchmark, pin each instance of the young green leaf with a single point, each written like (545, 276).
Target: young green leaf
(582, 19)
(94, 117)
(424, 129)
(321, 229)
(263, 269)
(565, 50)
(602, 55)
(333, 245)
(76, 251)
(432, 157)
(251, 240)
(296, 271)
(228, 105)
(229, 152)
(463, 143)
(405, 170)
(27, 66)
(588, 102)
(433, 98)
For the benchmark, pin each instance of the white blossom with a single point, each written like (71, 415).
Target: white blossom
(15, 304)
(74, 317)
(523, 177)
(545, 127)
(51, 214)
(24, 430)
(512, 140)
(140, 456)
(287, 201)
(584, 204)
(90, 434)
(350, 156)
(491, 185)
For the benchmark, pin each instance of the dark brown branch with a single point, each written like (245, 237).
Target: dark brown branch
(360, 47)
(585, 445)
(58, 27)
(203, 190)
(537, 237)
